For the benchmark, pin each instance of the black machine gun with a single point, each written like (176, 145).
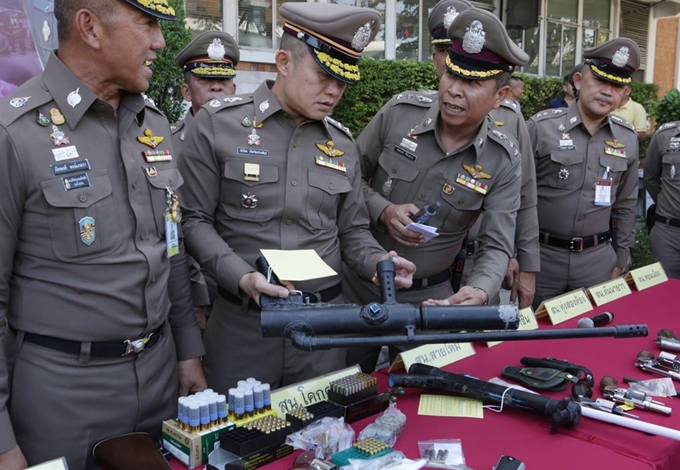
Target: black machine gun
(312, 326)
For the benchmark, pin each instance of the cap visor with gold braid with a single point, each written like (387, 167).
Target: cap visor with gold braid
(441, 17)
(348, 30)
(159, 8)
(480, 46)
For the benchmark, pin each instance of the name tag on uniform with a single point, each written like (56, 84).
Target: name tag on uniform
(79, 165)
(76, 181)
(65, 153)
(405, 153)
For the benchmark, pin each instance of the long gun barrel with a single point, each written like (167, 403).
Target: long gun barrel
(562, 412)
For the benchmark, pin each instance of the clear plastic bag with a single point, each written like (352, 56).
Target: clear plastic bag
(387, 427)
(325, 437)
(662, 387)
(443, 453)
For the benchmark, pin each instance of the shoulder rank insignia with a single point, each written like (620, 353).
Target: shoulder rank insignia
(476, 172)
(329, 149)
(499, 123)
(150, 140)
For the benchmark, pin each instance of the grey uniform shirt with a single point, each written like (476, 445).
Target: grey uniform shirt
(510, 121)
(403, 160)
(662, 170)
(246, 191)
(179, 130)
(82, 223)
(567, 170)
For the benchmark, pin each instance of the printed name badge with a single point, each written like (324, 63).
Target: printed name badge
(171, 236)
(603, 193)
(647, 276)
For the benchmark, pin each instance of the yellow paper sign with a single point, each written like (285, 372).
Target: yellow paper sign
(647, 276)
(527, 321)
(608, 291)
(435, 355)
(58, 464)
(566, 306)
(297, 265)
(307, 393)
(457, 407)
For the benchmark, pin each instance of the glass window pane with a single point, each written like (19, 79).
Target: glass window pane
(407, 29)
(602, 37)
(428, 48)
(203, 15)
(255, 23)
(596, 13)
(528, 40)
(352, 3)
(560, 48)
(588, 38)
(563, 10)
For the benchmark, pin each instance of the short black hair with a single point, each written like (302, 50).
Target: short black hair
(65, 11)
(297, 48)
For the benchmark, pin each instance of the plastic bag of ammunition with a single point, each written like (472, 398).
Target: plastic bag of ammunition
(443, 453)
(387, 427)
(325, 437)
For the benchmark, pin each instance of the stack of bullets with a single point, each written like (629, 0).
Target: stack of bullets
(370, 446)
(203, 411)
(267, 424)
(300, 413)
(250, 398)
(352, 384)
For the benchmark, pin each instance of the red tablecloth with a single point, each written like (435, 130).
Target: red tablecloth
(590, 445)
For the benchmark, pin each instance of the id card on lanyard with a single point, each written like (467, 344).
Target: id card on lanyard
(172, 217)
(603, 190)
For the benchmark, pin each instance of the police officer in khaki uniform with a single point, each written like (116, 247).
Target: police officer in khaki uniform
(419, 150)
(208, 63)
(662, 181)
(521, 273)
(586, 167)
(97, 313)
(209, 66)
(270, 170)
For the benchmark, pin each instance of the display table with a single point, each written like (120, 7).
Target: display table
(591, 444)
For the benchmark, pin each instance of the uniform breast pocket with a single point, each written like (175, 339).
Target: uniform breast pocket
(670, 172)
(394, 176)
(325, 189)
(459, 210)
(254, 201)
(166, 177)
(617, 166)
(83, 222)
(566, 169)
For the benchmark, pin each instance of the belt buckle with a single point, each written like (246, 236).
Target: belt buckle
(576, 248)
(136, 346)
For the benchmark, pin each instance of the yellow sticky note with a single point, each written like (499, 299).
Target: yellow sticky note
(527, 321)
(297, 265)
(609, 291)
(647, 276)
(457, 407)
(566, 306)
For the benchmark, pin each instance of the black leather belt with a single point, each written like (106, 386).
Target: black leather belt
(574, 244)
(126, 347)
(440, 278)
(325, 295)
(663, 220)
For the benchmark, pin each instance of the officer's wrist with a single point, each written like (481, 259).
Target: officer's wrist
(486, 295)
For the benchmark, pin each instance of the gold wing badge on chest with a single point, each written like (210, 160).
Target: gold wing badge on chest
(614, 148)
(329, 159)
(155, 155)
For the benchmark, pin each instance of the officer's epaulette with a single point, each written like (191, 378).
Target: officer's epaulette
(510, 104)
(335, 123)
(621, 122)
(670, 125)
(176, 127)
(506, 141)
(548, 114)
(216, 105)
(417, 98)
(27, 98)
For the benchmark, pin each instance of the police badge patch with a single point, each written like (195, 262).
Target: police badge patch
(87, 230)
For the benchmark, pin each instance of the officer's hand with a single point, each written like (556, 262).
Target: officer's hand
(395, 218)
(13, 459)
(404, 270)
(511, 274)
(466, 295)
(191, 378)
(524, 288)
(255, 284)
(200, 317)
(616, 272)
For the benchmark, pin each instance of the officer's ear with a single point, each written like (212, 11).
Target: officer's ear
(186, 91)
(576, 80)
(89, 27)
(501, 94)
(284, 61)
